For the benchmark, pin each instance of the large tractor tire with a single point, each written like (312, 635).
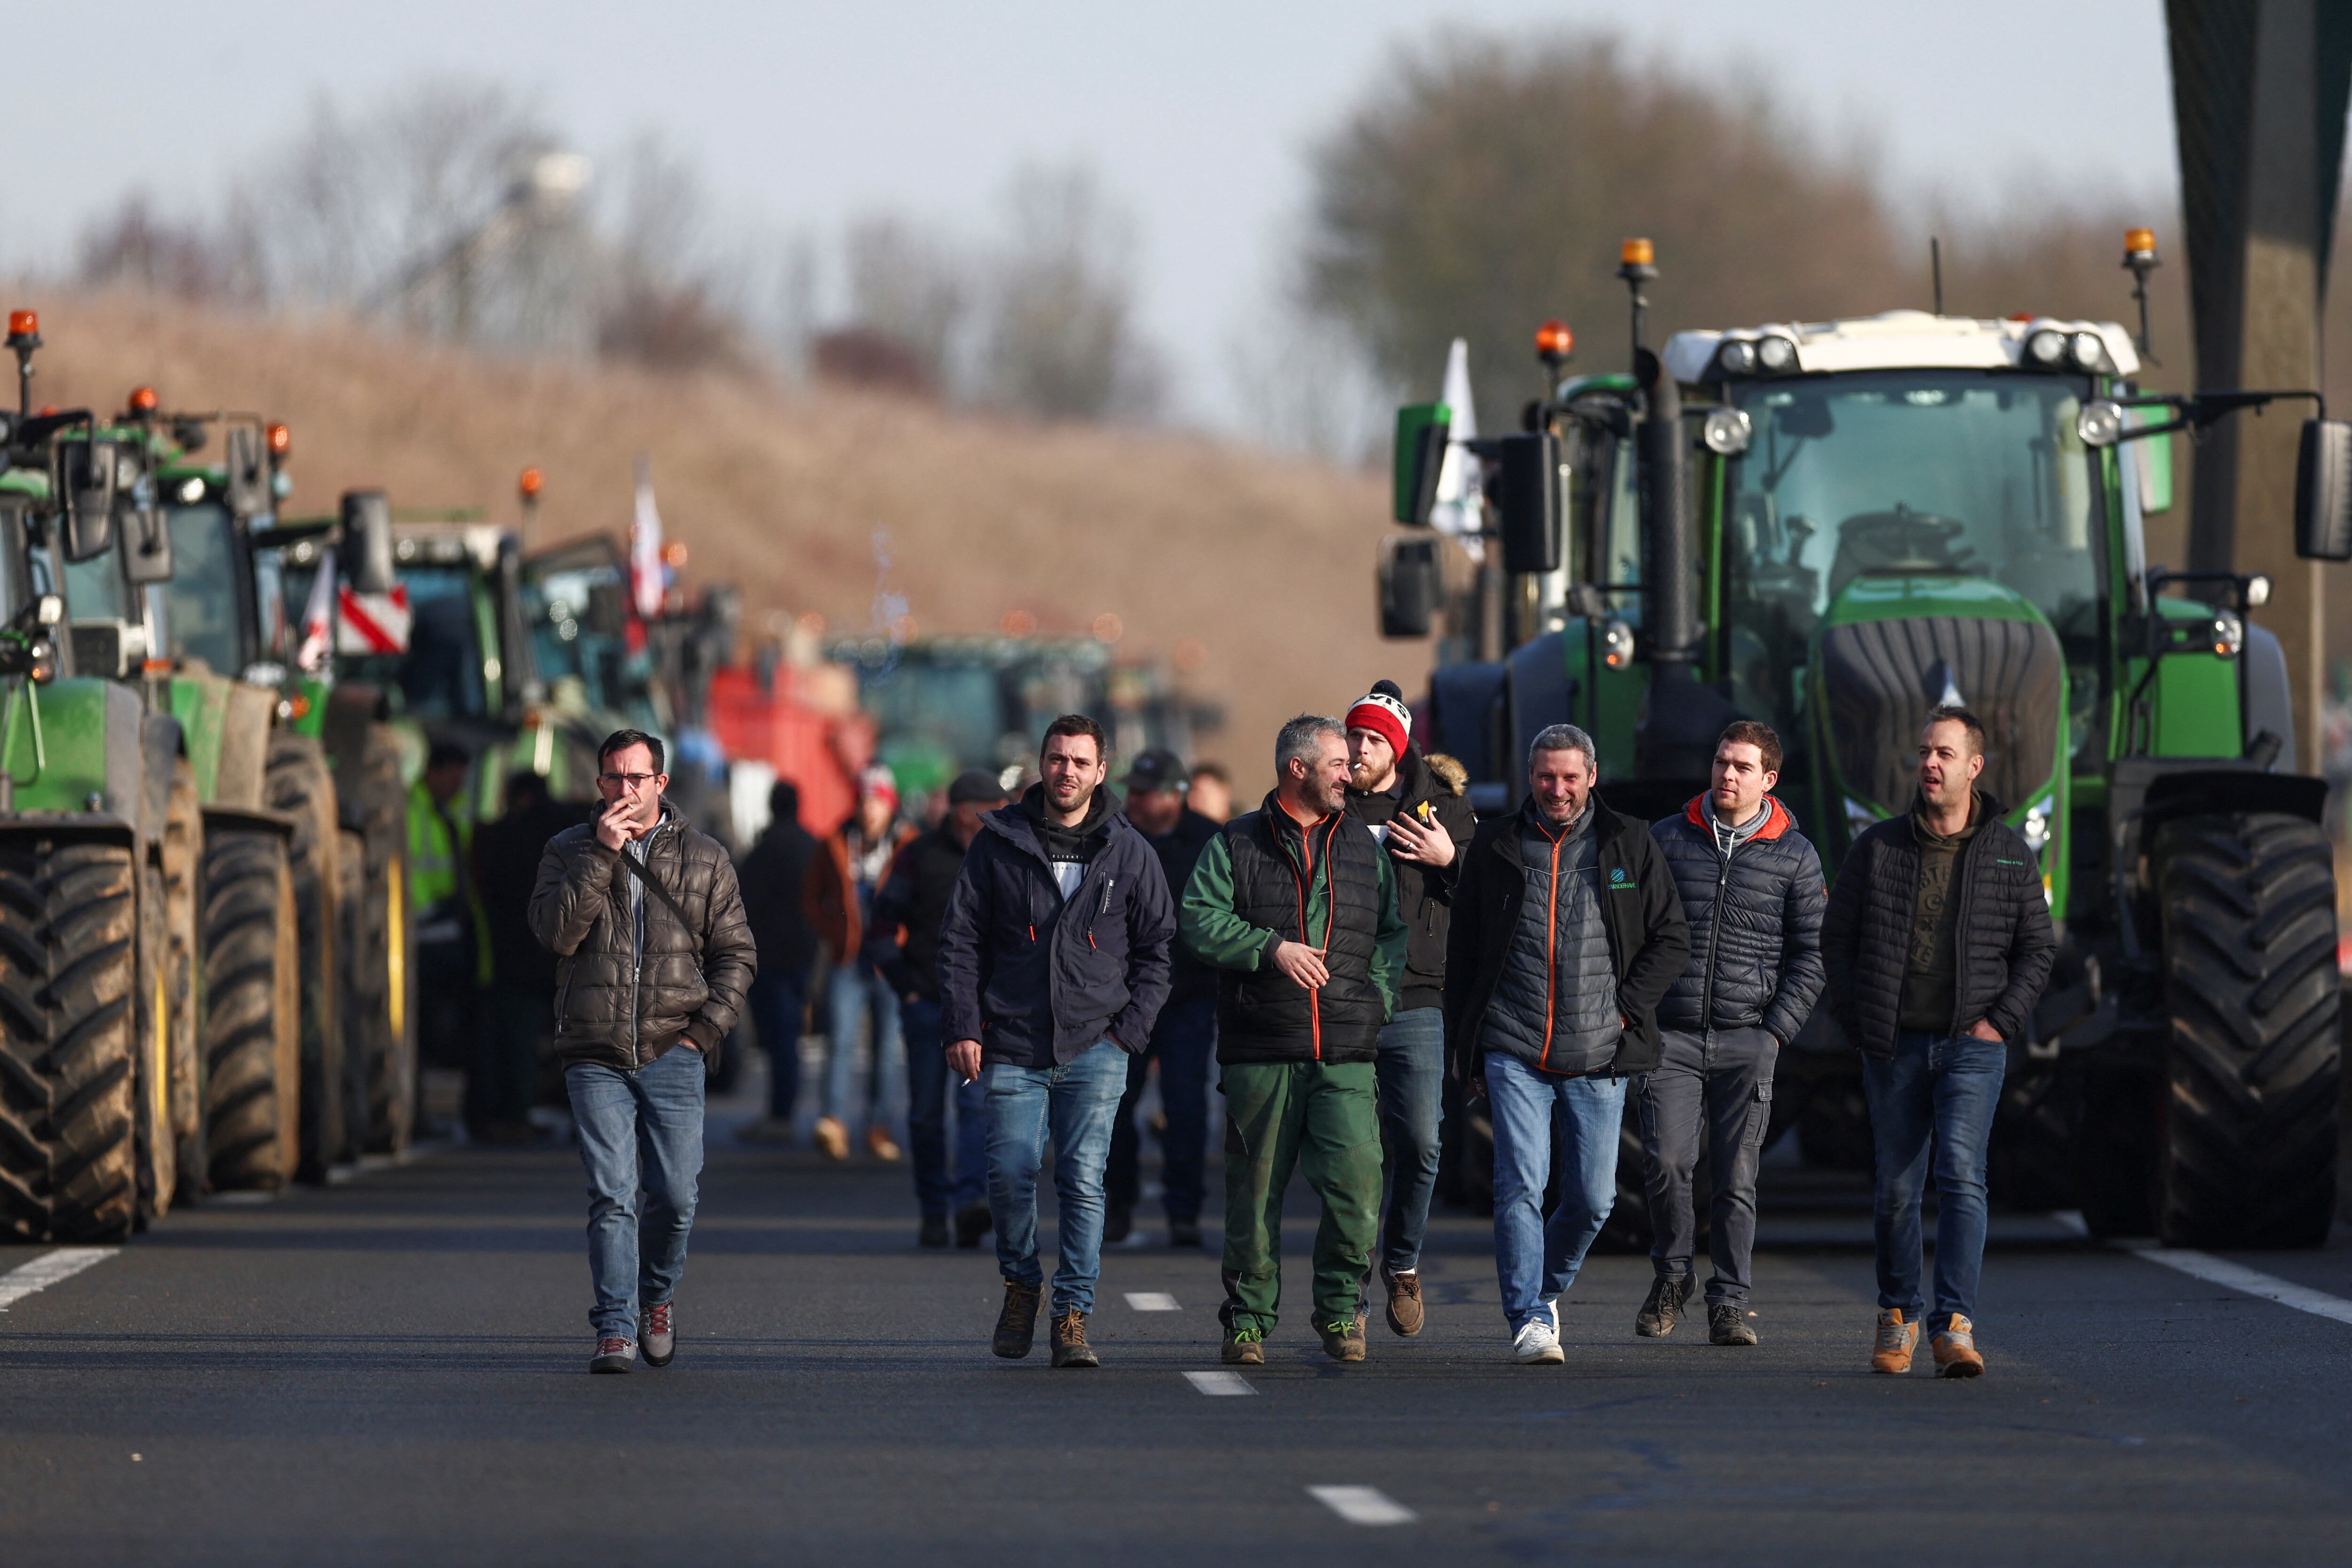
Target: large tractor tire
(253, 1002)
(68, 1015)
(2249, 1144)
(184, 847)
(380, 970)
(156, 1146)
(298, 783)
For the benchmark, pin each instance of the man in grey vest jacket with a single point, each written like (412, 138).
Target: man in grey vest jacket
(1567, 932)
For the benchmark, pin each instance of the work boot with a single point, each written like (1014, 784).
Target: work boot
(660, 1340)
(832, 1138)
(934, 1231)
(1118, 1221)
(1070, 1347)
(1663, 1308)
(1344, 1340)
(613, 1354)
(1184, 1233)
(1245, 1347)
(1016, 1325)
(1404, 1301)
(1955, 1348)
(1897, 1341)
(971, 1222)
(878, 1144)
(1727, 1325)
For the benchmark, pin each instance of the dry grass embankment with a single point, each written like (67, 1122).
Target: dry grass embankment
(1265, 560)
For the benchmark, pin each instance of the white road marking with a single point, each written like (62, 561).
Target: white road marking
(1219, 1382)
(2252, 1281)
(47, 1269)
(1362, 1505)
(1152, 1301)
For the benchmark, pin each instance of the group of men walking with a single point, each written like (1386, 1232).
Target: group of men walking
(1342, 950)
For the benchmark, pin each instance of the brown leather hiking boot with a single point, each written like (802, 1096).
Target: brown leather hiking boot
(1955, 1348)
(1070, 1347)
(1344, 1340)
(1897, 1341)
(1404, 1301)
(1245, 1347)
(1016, 1325)
(1727, 1325)
(1663, 1308)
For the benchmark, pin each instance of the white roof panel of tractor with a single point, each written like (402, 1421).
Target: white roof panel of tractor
(1911, 340)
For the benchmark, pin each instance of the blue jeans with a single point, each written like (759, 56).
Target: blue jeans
(640, 1134)
(859, 990)
(1946, 1089)
(1537, 1260)
(1185, 1041)
(1411, 1074)
(777, 1003)
(944, 1179)
(1077, 1102)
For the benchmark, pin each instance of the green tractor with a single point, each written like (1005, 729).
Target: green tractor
(1834, 526)
(101, 1090)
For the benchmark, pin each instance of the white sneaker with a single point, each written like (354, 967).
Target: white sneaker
(1538, 1344)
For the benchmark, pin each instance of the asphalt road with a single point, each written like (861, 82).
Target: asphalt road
(392, 1371)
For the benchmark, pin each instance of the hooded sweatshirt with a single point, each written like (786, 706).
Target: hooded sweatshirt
(1929, 970)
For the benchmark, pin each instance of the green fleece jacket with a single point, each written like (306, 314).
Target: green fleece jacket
(1208, 928)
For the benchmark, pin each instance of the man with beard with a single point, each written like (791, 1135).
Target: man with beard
(1053, 965)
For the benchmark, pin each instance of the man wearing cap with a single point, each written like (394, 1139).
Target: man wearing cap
(1184, 1038)
(842, 881)
(1421, 818)
(902, 939)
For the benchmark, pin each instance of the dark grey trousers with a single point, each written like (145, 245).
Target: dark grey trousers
(1722, 1081)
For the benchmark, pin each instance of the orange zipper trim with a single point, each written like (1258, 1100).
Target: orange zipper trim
(1330, 910)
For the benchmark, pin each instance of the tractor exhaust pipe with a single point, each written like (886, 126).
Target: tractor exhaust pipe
(1672, 612)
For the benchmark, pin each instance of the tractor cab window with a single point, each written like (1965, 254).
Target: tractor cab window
(440, 675)
(1605, 504)
(200, 602)
(573, 605)
(1912, 474)
(95, 590)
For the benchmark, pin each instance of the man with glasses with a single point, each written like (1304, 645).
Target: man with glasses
(645, 914)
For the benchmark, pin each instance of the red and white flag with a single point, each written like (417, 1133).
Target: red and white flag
(646, 581)
(372, 623)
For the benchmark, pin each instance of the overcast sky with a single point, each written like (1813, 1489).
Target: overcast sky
(1198, 115)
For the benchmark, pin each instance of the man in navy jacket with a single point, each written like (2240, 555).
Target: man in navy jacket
(1053, 962)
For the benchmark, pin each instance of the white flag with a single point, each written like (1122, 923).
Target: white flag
(1461, 501)
(646, 545)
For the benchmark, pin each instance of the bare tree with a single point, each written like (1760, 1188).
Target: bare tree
(1061, 339)
(911, 287)
(136, 246)
(663, 299)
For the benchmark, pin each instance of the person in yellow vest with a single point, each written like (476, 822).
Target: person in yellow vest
(452, 956)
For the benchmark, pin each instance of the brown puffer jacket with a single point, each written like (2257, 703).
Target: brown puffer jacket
(691, 982)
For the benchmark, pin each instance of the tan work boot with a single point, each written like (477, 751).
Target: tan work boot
(1897, 1341)
(1404, 1301)
(832, 1138)
(1344, 1340)
(1245, 1347)
(1955, 1348)
(880, 1144)
(1070, 1347)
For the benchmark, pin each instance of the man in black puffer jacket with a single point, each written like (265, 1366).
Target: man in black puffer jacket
(1751, 887)
(1052, 966)
(1937, 943)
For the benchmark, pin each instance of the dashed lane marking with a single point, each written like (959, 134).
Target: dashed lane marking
(1216, 1383)
(47, 1269)
(1152, 1301)
(2252, 1281)
(1362, 1505)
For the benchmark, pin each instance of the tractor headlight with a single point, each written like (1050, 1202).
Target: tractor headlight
(2046, 349)
(2086, 350)
(2228, 634)
(1777, 355)
(2100, 424)
(1735, 357)
(1727, 432)
(1616, 645)
(191, 490)
(2036, 827)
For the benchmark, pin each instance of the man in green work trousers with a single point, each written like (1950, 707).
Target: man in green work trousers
(1295, 907)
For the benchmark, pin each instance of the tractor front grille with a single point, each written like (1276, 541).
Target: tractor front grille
(1882, 676)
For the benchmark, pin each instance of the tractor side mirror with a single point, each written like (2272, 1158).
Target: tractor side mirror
(1422, 432)
(367, 542)
(146, 544)
(86, 490)
(247, 461)
(2323, 492)
(1529, 497)
(1409, 588)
